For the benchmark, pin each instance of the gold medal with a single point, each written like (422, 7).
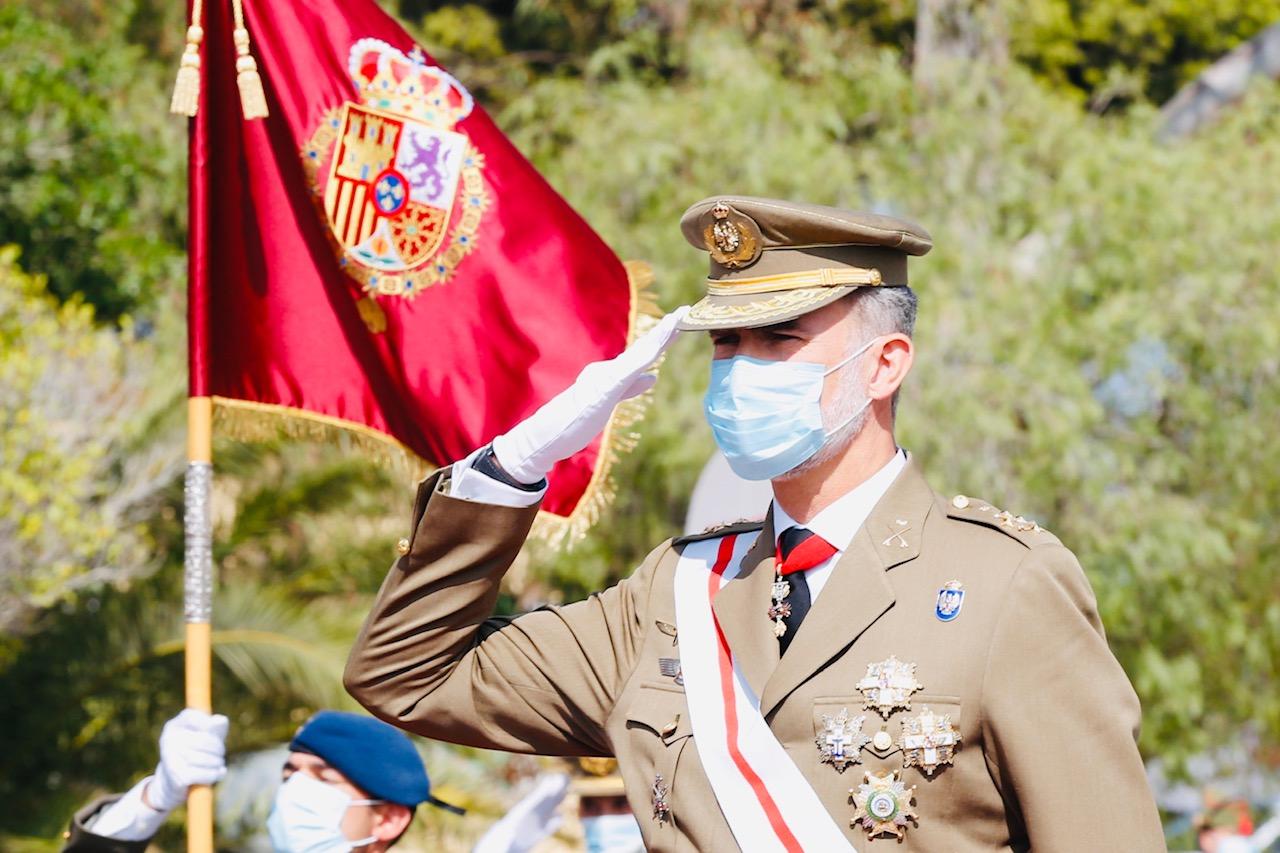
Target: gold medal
(883, 805)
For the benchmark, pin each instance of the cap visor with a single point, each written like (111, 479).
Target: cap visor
(751, 311)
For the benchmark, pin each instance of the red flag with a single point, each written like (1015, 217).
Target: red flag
(376, 256)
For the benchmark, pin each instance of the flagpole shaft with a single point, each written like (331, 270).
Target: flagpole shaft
(198, 599)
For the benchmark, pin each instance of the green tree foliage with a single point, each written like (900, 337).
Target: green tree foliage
(90, 163)
(77, 473)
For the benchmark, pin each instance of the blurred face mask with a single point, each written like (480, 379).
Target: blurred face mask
(612, 833)
(766, 416)
(307, 817)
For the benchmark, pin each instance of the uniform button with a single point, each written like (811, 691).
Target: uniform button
(882, 740)
(959, 502)
(402, 547)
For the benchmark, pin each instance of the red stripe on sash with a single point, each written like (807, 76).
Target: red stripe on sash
(780, 828)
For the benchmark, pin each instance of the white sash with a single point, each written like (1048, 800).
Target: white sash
(768, 803)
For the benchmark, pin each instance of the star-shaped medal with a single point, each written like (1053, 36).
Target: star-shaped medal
(929, 741)
(841, 739)
(889, 685)
(883, 805)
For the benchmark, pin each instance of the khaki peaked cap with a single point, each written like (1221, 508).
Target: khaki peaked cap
(772, 260)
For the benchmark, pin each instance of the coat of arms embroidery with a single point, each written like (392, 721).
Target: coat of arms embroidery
(399, 186)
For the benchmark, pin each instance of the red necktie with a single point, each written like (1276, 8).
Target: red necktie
(800, 549)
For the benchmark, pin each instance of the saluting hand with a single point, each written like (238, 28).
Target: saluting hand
(569, 421)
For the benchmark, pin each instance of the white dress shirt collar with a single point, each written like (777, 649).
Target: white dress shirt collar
(839, 522)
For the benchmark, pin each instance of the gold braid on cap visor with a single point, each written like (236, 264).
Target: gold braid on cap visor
(824, 277)
(710, 315)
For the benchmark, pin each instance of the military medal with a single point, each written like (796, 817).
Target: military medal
(780, 609)
(841, 739)
(950, 600)
(670, 667)
(883, 805)
(889, 685)
(661, 811)
(929, 741)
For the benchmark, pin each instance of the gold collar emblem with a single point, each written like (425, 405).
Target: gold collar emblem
(929, 741)
(883, 805)
(888, 685)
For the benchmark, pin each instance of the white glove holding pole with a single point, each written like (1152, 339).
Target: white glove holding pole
(569, 421)
(193, 751)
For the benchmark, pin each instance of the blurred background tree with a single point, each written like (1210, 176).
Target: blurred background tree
(1098, 335)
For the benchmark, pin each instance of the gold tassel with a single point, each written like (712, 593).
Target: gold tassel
(186, 89)
(375, 319)
(253, 101)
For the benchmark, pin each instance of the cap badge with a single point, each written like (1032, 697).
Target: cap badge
(883, 805)
(732, 238)
(950, 600)
(929, 741)
(841, 739)
(889, 685)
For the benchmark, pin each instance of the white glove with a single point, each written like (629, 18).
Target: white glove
(192, 752)
(570, 420)
(530, 820)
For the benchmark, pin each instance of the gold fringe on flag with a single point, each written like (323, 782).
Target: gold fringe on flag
(250, 421)
(253, 101)
(186, 89)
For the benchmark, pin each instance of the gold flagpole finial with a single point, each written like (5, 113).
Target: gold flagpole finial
(186, 89)
(253, 101)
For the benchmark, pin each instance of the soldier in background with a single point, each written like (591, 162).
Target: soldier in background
(350, 782)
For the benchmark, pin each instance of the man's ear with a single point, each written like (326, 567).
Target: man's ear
(390, 821)
(894, 356)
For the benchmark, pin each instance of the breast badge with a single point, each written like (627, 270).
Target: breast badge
(929, 741)
(670, 667)
(883, 805)
(950, 600)
(888, 685)
(841, 739)
(661, 810)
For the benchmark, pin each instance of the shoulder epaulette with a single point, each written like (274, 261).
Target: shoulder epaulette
(718, 530)
(978, 511)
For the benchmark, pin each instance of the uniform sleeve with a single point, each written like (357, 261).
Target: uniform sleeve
(431, 659)
(84, 836)
(1061, 719)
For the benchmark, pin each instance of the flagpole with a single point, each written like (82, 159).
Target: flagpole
(198, 598)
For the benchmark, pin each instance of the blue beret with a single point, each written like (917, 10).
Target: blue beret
(376, 757)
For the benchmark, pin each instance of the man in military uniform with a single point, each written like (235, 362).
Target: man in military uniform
(873, 667)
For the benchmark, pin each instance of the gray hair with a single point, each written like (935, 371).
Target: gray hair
(885, 311)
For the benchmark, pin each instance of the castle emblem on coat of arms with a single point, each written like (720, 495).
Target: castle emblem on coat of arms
(400, 187)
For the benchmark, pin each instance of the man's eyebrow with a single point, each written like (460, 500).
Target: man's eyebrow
(784, 326)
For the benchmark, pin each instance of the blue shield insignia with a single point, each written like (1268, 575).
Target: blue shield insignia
(950, 600)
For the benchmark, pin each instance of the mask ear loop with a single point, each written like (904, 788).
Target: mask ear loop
(361, 842)
(826, 436)
(859, 352)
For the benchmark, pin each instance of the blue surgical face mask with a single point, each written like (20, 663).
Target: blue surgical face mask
(612, 833)
(767, 415)
(307, 817)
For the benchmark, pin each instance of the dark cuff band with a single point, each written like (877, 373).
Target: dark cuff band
(486, 463)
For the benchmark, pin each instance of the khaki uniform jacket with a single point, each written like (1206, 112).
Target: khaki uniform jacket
(1048, 759)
